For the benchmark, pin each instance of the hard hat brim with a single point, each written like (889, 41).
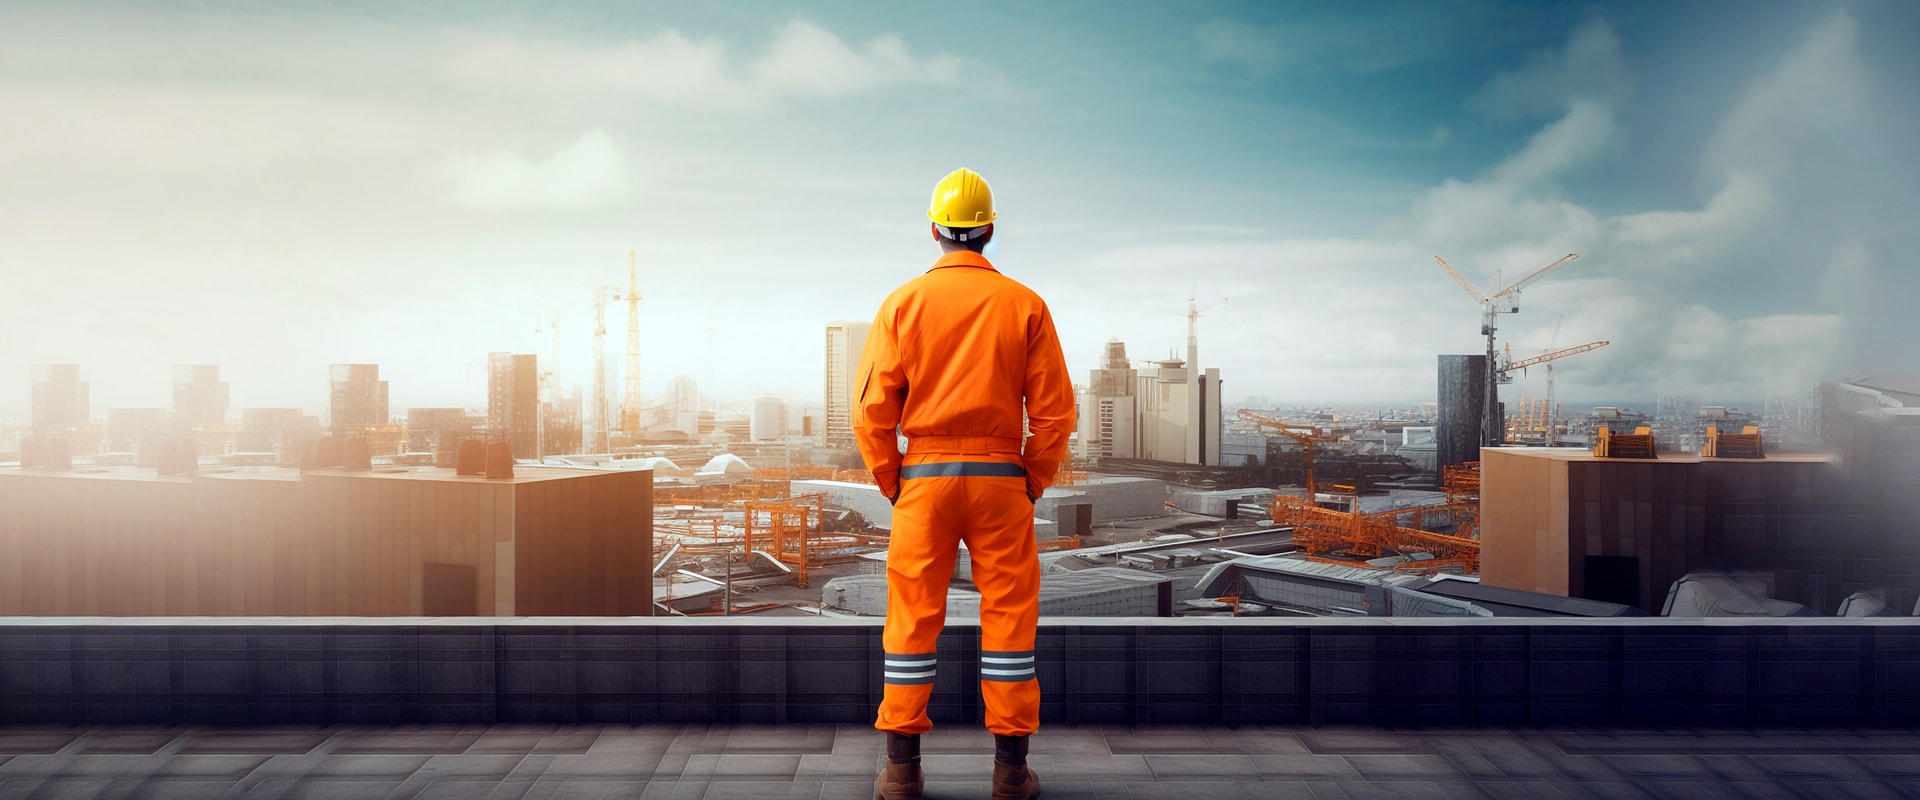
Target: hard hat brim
(991, 216)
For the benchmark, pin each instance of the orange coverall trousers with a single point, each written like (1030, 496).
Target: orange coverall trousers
(946, 499)
(965, 363)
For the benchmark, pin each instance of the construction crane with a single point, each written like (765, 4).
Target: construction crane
(1194, 312)
(630, 400)
(1506, 372)
(713, 322)
(1505, 301)
(1549, 437)
(550, 379)
(1523, 364)
(598, 418)
(1306, 435)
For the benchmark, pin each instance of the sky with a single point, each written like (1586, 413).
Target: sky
(276, 187)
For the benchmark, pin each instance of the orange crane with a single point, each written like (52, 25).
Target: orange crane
(1555, 355)
(1506, 372)
(1306, 435)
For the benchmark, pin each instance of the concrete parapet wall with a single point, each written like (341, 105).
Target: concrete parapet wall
(773, 670)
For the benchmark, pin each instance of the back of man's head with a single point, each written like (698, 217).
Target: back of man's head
(974, 239)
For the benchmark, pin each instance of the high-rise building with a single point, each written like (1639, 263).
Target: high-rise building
(1177, 415)
(1204, 435)
(287, 431)
(60, 398)
(199, 396)
(683, 406)
(429, 430)
(513, 402)
(683, 395)
(562, 422)
(844, 342)
(1107, 424)
(358, 398)
(129, 429)
(769, 421)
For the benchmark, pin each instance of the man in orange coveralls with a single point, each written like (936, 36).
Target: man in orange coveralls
(952, 360)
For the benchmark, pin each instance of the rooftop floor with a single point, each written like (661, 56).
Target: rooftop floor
(509, 762)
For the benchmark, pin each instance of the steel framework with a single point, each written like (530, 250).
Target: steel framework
(1319, 531)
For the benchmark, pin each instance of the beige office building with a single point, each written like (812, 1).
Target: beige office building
(844, 342)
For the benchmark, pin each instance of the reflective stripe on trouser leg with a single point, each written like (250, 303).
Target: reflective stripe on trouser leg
(908, 670)
(1006, 666)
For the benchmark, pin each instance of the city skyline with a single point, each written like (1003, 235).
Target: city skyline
(273, 191)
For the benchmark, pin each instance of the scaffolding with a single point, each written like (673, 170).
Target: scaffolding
(1320, 531)
(789, 531)
(798, 472)
(853, 476)
(718, 495)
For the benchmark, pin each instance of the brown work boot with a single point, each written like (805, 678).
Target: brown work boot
(900, 778)
(1012, 780)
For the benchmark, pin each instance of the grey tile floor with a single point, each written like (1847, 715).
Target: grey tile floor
(525, 762)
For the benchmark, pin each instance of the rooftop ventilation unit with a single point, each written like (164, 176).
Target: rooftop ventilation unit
(1639, 444)
(1745, 444)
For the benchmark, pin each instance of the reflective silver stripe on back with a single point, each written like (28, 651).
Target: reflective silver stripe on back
(952, 469)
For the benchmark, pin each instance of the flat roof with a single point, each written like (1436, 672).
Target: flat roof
(1586, 454)
(1520, 603)
(521, 474)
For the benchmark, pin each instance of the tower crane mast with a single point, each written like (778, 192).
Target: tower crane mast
(630, 398)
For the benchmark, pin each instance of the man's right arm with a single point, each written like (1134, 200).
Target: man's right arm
(878, 401)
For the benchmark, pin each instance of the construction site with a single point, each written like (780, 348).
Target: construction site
(1171, 503)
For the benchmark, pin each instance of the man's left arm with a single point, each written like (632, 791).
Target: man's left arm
(1050, 412)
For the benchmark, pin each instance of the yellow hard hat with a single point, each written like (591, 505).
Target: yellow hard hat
(962, 200)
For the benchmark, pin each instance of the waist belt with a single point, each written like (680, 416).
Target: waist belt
(951, 469)
(963, 445)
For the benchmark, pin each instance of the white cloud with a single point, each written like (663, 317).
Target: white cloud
(589, 172)
(1251, 47)
(1849, 280)
(1643, 283)
(803, 61)
(1351, 44)
(1820, 86)
(1589, 69)
(1569, 142)
(1778, 353)
(1515, 202)
(807, 60)
(1688, 236)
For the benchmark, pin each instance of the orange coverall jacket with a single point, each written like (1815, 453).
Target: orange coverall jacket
(949, 360)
